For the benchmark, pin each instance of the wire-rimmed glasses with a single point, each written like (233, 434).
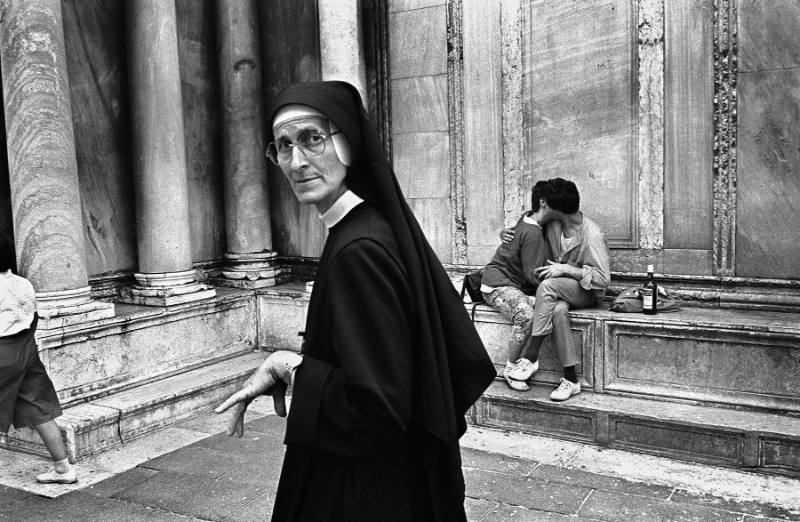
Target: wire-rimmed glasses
(311, 143)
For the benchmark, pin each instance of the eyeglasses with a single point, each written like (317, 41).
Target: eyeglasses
(311, 143)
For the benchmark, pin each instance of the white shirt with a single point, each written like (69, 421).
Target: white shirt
(17, 303)
(346, 202)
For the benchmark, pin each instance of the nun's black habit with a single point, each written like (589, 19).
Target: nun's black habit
(391, 363)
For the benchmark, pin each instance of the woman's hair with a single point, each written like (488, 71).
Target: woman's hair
(562, 195)
(7, 259)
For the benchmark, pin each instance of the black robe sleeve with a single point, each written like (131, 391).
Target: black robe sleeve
(359, 405)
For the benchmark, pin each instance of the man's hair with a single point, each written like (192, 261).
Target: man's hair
(562, 195)
(537, 194)
(7, 259)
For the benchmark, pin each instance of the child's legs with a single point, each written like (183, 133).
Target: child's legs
(514, 305)
(51, 435)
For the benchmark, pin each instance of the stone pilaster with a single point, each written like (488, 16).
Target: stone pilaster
(341, 43)
(726, 68)
(250, 263)
(651, 124)
(165, 274)
(43, 171)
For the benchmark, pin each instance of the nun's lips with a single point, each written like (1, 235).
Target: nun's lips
(306, 180)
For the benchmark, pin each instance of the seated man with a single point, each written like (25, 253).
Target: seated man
(577, 278)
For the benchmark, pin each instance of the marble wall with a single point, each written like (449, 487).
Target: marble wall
(201, 120)
(95, 47)
(581, 110)
(420, 118)
(768, 183)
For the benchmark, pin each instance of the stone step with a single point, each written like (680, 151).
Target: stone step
(115, 419)
(760, 441)
(738, 358)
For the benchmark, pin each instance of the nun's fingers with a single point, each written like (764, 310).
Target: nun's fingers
(278, 393)
(236, 420)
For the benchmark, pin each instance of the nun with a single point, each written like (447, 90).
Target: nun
(390, 361)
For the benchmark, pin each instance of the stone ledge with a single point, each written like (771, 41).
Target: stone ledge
(740, 358)
(748, 439)
(96, 426)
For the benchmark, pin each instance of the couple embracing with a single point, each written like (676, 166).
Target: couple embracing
(560, 256)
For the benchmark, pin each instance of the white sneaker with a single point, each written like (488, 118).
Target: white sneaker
(523, 369)
(514, 384)
(565, 390)
(54, 477)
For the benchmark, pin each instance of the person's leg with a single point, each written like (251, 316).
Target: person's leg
(554, 298)
(36, 406)
(51, 436)
(62, 471)
(562, 336)
(514, 305)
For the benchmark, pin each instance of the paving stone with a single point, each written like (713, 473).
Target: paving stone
(120, 482)
(530, 492)
(606, 505)
(506, 512)
(477, 508)
(264, 470)
(251, 443)
(751, 508)
(204, 462)
(604, 482)
(271, 424)
(257, 511)
(471, 458)
(10, 495)
(209, 499)
(80, 507)
(748, 518)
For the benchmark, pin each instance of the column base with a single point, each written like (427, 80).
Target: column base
(68, 307)
(250, 271)
(167, 289)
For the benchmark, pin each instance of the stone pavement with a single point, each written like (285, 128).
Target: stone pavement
(192, 472)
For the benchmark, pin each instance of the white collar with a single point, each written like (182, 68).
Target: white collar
(346, 202)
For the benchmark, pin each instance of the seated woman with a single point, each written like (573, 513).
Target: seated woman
(508, 281)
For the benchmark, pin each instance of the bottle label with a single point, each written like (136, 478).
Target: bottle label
(647, 299)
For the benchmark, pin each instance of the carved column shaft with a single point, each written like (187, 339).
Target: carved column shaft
(43, 171)
(341, 43)
(250, 262)
(159, 157)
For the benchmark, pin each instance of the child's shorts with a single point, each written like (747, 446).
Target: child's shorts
(27, 395)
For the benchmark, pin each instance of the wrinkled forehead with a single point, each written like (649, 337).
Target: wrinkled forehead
(293, 127)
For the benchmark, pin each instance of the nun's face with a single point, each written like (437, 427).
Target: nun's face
(315, 179)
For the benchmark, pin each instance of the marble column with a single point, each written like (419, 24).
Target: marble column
(250, 261)
(43, 171)
(341, 43)
(166, 275)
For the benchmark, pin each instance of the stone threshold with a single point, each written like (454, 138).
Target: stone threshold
(755, 440)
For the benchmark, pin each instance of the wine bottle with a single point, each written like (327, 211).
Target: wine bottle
(650, 293)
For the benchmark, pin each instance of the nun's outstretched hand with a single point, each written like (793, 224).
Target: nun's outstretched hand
(272, 377)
